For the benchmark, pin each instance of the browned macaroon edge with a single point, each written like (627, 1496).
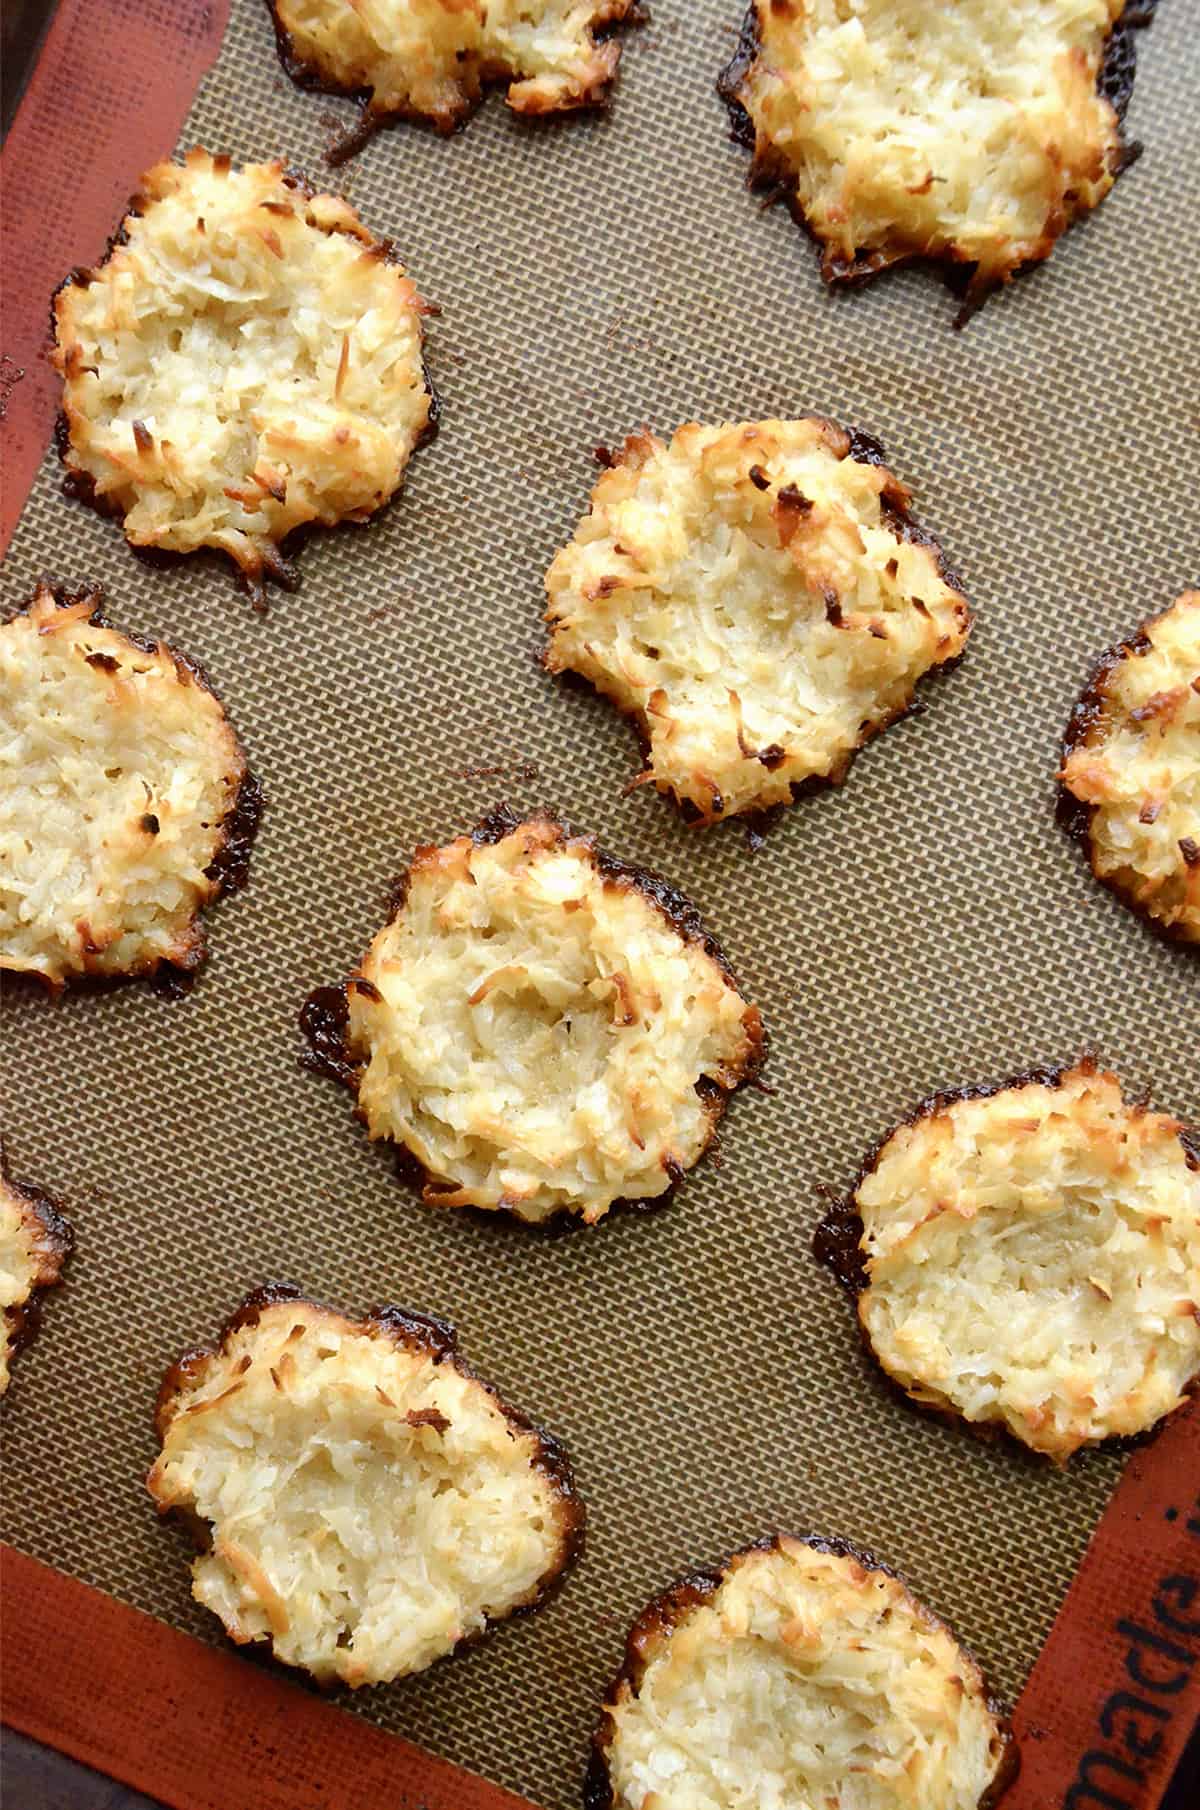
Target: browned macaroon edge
(307, 74)
(1114, 80)
(659, 1620)
(55, 1239)
(419, 1333)
(229, 869)
(1075, 814)
(80, 486)
(837, 1240)
(865, 449)
(324, 1015)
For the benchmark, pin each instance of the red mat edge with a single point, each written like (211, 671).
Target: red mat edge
(197, 1727)
(107, 99)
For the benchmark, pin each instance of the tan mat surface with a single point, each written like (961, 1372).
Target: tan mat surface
(928, 925)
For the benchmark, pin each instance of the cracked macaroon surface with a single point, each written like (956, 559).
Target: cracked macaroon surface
(1031, 1258)
(800, 1674)
(366, 1502)
(1132, 765)
(973, 132)
(125, 803)
(35, 1242)
(246, 360)
(543, 1029)
(758, 599)
(433, 58)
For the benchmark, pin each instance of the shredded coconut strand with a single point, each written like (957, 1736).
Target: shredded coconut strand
(433, 57)
(806, 1679)
(1034, 1259)
(970, 131)
(1138, 765)
(748, 594)
(544, 1039)
(247, 361)
(118, 771)
(371, 1504)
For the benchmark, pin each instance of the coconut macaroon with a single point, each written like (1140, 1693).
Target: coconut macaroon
(1131, 770)
(801, 1673)
(35, 1242)
(125, 802)
(244, 362)
(364, 1502)
(968, 133)
(758, 598)
(543, 1029)
(433, 59)
(1028, 1257)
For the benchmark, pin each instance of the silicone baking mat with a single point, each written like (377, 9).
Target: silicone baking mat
(925, 926)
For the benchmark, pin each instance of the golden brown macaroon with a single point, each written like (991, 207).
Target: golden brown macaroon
(1131, 770)
(245, 361)
(543, 1029)
(759, 600)
(126, 805)
(1027, 1256)
(433, 59)
(800, 1673)
(362, 1500)
(900, 129)
(35, 1242)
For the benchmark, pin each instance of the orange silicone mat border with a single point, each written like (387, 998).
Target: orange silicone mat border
(107, 98)
(192, 1725)
(1111, 1701)
(1102, 1722)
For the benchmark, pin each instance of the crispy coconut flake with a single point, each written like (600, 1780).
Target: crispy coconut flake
(125, 804)
(244, 362)
(432, 59)
(759, 600)
(35, 1242)
(1131, 763)
(370, 1502)
(801, 1674)
(542, 1028)
(904, 129)
(1030, 1258)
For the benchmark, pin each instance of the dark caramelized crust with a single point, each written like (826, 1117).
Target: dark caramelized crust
(469, 1508)
(35, 1242)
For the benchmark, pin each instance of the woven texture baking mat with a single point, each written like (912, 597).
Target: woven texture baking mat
(926, 926)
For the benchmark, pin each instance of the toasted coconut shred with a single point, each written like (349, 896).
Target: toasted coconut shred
(245, 361)
(544, 1030)
(1033, 1260)
(801, 1675)
(122, 782)
(758, 599)
(35, 1242)
(433, 58)
(371, 1503)
(912, 128)
(1133, 762)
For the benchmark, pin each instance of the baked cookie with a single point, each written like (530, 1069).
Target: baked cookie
(759, 600)
(543, 1029)
(970, 133)
(433, 59)
(35, 1242)
(800, 1673)
(125, 803)
(244, 362)
(1131, 770)
(1028, 1256)
(364, 1502)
